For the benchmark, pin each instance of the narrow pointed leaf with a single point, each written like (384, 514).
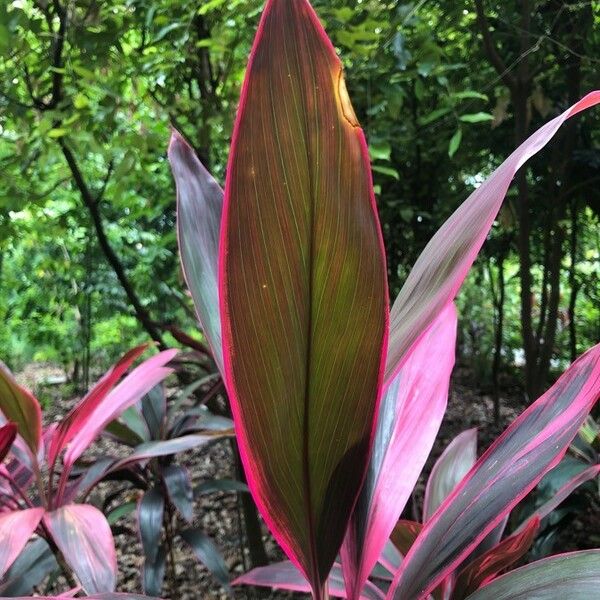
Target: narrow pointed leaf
(15, 530)
(150, 522)
(487, 566)
(7, 437)
(199, 207)
(179, 487)
(409, 418)
(454, 463)
(506, 472)
(444, 263)
(84, 538)
(207, 553)
(302, 288)
(143, 453)
(575, 575)
(154, 572)
(154, 410)
(139, 382)
(285, 576)
(71, 424)
(22, 408)
(563, 493)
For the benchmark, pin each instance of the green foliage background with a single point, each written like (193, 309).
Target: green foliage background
(436, 113)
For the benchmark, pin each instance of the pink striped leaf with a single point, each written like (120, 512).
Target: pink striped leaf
(15, 530)
(454, 463)
(7, 436)
(409, 418)
(563, 493)
(285, 576)
(302, 289)
(84, 538)
(22, 408)
(139, 382)
(575, 575)
(444, 263)
(506, 472)
(78, 416)
(484, 568)
(199, 207)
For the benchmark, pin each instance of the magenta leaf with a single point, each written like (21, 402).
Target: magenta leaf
(199, 207)
(69, 426)
(454, 463)
(508, 470)
(139, 382)
(15, 530)
(575, 575)
(285, 576)
(84, 538)
(409, 418)
(444, 263)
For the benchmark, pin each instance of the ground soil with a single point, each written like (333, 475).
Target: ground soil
(218, 514)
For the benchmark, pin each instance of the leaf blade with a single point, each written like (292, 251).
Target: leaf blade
(199, 208)
(298, 235)
(84, 538)
(15, 530)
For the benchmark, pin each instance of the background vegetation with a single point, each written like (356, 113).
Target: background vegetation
(445, 91)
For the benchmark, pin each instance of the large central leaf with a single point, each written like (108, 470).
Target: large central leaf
(302, 288)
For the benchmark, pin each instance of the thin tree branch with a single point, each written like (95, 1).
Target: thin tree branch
(92, 206)
(490, 48)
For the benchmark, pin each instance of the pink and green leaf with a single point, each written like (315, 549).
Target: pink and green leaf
(508, 470)
(575, 575)
(15, 530)
(22, 408)
(410, 415)
(100, 413)
(303, 293)
(84, 538)
(199, 208)
(444, 263)
(81, 413)
(454, 463)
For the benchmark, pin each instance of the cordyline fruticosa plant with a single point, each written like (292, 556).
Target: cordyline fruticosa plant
(157, 431)
(40, 481)
(337, 399)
